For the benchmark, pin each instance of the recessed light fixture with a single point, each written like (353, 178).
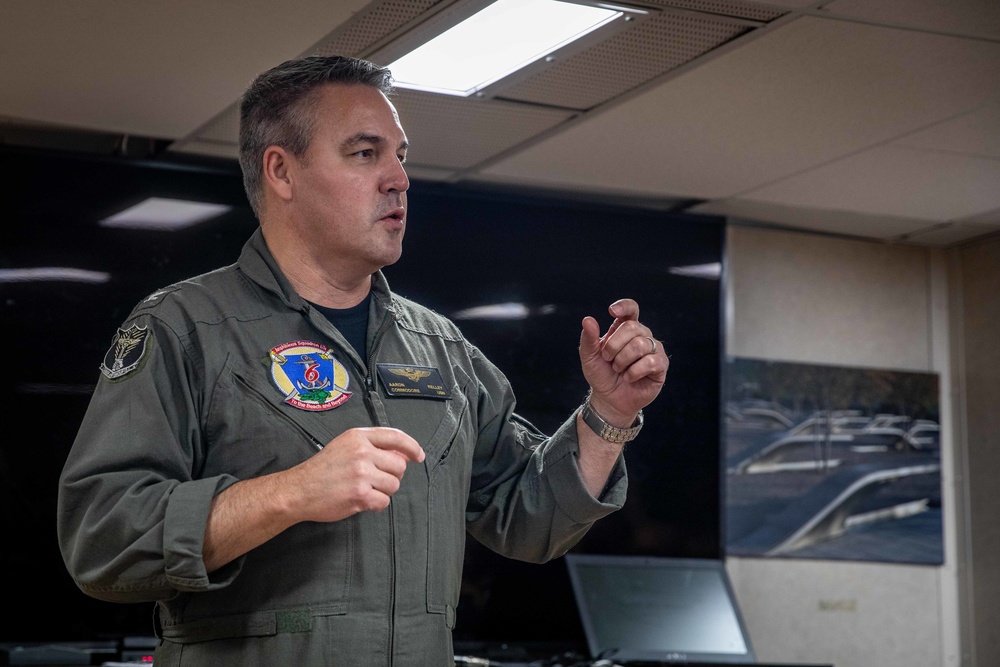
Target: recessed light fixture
(711, 271)
(503, 311)
(495, 311)
(496, 41)
(53, 274)
(164, 214)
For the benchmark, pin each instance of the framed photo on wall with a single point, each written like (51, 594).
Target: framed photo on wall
(831, 463)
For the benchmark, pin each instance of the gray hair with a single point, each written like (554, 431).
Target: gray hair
(278, 109)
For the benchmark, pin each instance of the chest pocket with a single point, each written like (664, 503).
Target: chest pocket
(253, 431)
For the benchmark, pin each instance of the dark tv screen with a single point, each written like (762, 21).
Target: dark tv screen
(517, 270)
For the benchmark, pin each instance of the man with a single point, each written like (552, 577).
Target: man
(286, 456)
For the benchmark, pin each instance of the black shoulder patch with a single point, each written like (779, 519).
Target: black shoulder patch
(128, 348)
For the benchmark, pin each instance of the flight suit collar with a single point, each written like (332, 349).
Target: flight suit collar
(257, 262)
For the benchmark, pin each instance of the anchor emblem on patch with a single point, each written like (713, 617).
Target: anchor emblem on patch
(309, 376)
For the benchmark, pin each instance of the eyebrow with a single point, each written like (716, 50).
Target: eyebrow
(374, 139)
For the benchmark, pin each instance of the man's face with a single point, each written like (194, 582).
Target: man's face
(350, 187)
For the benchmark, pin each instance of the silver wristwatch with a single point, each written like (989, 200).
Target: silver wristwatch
(610, 433)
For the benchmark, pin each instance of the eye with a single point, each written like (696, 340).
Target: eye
(402, 158)
(367, 152)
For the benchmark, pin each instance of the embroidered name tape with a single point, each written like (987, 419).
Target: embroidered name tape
(403, 381)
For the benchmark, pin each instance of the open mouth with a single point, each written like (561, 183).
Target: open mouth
(396, 214)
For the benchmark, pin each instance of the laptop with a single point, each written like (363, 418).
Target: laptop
(649, 610)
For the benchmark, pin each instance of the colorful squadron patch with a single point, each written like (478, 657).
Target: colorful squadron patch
(127, 348)
(309, 376)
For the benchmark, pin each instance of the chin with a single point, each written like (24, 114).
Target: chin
(391, 257)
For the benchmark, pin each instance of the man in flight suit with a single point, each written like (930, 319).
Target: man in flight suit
(285, 456)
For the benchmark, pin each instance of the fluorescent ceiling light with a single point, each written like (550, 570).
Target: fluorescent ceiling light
(164, 214)
(502, 311)
(497, 311)
(711, 271)
(495, 42)
(52, 273)
(54, 388)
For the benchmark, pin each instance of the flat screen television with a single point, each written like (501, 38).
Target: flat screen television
(517, 270)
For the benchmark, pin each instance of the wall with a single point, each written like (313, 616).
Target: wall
(816, 299)
(975, 276)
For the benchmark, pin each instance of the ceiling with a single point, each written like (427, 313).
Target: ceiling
(870, 119)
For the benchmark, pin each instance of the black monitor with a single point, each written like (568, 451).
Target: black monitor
(535, 263)
(662, 610)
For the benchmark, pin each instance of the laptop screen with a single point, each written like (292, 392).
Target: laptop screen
(658, 609)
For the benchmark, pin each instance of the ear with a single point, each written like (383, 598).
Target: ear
(279, 167)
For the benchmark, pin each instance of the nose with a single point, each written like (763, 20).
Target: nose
(395, 179)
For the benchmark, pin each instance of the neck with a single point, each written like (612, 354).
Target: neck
(324, 291)
(329, 283)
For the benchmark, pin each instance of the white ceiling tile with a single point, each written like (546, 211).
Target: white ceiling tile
(425, 173)
(454, 133)
(208, 148)
(891, 180)
(224, 127)
(950, 234)
(794, 4)
(804, 93)
(962, 17)
(155, 69)
(975, 133)
(815, 113)
(625, 60)
(989, 218)
(845, 223)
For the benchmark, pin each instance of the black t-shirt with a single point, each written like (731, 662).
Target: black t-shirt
(351, 322)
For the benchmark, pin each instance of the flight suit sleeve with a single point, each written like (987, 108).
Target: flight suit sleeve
(131, 510)
(528, 500)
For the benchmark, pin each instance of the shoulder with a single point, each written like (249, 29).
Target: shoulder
(420, 319)
(206, 298)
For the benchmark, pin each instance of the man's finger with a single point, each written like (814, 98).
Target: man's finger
(624, 309)
(590, 338)
(386, 482)
(389, 461)
(392, 439)
(617, 341)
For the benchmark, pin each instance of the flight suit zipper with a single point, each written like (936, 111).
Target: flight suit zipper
(371, 396)
(370, 392)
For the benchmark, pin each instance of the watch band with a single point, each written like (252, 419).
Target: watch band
(601, 427)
